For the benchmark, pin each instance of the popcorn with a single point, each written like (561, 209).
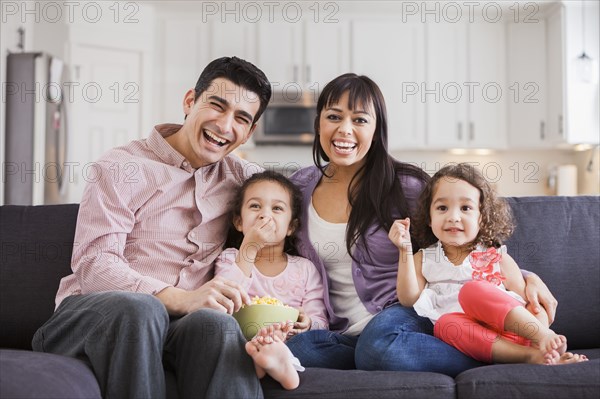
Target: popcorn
(267, 300)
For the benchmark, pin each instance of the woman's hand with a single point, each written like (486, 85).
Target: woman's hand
(538, 295)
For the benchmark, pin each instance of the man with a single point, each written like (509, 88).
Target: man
(148, 230)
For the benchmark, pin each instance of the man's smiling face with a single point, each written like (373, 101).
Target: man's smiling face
(217, 122)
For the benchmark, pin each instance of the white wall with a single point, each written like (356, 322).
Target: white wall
(588, 165)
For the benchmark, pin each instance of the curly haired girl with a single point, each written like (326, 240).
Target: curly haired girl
(464, 281)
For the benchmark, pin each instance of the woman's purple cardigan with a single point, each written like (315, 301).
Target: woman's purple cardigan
(375, 275)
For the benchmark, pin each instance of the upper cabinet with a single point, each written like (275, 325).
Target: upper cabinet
(188, 46)
(555, 69)
(465, 89)
(528, 95)
(306, 54)
(280, 54)
(553, 106)
(577, 32)
(472, 83)
(397, 65)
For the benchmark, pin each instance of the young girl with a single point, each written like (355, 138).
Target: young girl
(265, 219)
(460, 282)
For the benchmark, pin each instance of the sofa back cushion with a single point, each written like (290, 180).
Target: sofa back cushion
(36, 245)
(558, 239)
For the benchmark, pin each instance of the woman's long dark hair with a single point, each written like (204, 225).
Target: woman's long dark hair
(375, 193)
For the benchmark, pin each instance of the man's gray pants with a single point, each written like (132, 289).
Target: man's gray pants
(128, 340)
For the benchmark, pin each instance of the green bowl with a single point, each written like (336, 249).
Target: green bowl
(252, 318)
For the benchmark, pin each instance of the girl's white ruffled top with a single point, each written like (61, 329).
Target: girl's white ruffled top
(444, 281)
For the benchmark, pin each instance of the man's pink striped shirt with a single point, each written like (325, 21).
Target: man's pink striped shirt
(148, 220)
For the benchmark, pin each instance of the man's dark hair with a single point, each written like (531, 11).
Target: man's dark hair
(240, 72)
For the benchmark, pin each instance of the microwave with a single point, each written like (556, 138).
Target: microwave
(288, 119)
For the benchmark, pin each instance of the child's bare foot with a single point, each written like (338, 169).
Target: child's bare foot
(281, 330)
(569, 358)
(274, 359)
(552, 343)
(252, 348)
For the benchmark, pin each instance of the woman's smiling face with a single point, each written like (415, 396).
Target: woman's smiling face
(346, 134)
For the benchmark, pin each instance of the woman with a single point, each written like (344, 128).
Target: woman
(349, 205)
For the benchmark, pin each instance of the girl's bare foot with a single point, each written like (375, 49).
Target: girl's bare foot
(252, 348)
(275, 359)
(569, 358)
(551, 343)
(281, 330)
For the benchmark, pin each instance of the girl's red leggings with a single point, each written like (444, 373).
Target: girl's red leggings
(482, 323)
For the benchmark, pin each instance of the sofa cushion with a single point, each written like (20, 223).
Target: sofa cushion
(31, 375)
(530, 381)
(349, 384)
(557, 238)
(37, 242)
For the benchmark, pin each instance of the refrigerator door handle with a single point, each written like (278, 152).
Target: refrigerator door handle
(62, 139)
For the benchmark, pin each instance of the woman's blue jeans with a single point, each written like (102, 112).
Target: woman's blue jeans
(395, 339)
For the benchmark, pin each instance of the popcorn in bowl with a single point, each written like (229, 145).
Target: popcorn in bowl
(267, 300)
(262, 312)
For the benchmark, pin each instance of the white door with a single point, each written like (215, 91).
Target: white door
(105, 112)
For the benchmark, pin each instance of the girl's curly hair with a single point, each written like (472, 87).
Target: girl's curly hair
(235, 238)
(496, 223)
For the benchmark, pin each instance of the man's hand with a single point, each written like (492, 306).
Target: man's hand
(538, 296)
(219, 294)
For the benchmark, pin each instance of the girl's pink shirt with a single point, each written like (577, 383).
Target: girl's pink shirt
(298, 285)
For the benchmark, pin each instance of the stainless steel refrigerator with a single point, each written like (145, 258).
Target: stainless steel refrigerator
(34, 172)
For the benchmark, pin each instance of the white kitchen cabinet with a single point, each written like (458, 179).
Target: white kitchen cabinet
(280, 52)
(304, 54)
(326, 50)
(527, 86)
(555, 70)
(465, 90)
(189, 45)
(572, 104)
(397, 64)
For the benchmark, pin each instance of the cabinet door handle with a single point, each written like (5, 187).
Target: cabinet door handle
(542, 130)
(561, 129)
(295, 73)
(471, 131)
(459, 130)
(308, 74)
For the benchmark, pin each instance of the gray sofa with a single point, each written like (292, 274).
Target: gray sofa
(556, 237)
